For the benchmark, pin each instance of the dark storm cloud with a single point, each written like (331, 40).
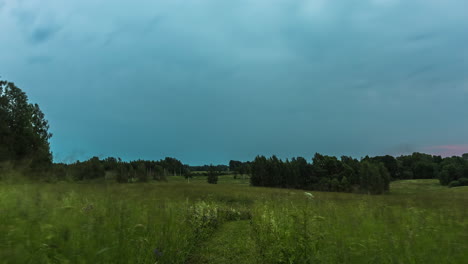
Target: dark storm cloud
(207, 81)
(43, 33)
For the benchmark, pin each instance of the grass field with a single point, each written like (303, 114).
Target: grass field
(179, 222)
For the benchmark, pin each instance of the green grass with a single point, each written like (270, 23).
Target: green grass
(418, 222)
(416, 186)
(230, 244)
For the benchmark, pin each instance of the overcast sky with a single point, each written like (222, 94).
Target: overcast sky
(210, 80)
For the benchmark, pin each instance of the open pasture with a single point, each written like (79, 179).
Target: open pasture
(179, 222)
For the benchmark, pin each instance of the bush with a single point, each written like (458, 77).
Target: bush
(454, 184)
(212, 175)
(463, 181)
(212, 178)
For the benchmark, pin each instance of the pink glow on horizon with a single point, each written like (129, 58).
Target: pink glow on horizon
(448, 150)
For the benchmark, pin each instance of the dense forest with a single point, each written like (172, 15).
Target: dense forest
(370, 174)
(24, 146)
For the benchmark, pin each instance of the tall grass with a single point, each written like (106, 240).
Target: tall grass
(169, 222)
(364, 230)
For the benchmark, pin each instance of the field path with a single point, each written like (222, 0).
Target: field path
(230, 244)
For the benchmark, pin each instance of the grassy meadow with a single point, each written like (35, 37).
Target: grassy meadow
(231, 222)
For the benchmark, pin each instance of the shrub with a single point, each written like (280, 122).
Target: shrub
(212, 175)
(463, 181)
(454, 184)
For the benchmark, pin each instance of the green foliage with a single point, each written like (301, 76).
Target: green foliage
(220, 168)
(326, 173)
(371, 175)
(88, 170)
(141, 173)
(452, 169)
(188, 174)
(345, 186)
(172, 166)
(212, 175)
(418, 166)
(274, 172)
(375, 178)
(463, 181)
(465, 156)
(24, 135)
(390, 164)
(116, 169)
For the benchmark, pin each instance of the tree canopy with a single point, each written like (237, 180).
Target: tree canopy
(24, 131)
(325, 173)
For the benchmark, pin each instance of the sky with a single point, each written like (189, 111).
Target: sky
(207, 81)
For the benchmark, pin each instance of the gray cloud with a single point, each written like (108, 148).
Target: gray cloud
(207, 81)
(43, 33)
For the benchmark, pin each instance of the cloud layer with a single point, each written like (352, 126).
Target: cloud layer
(207, 80)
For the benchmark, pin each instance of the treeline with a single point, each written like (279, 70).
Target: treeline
(239, 167)
(24, 147)
(205, 168)
(121, 171)
(369, 175)
(451, 171)
(325, 173)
